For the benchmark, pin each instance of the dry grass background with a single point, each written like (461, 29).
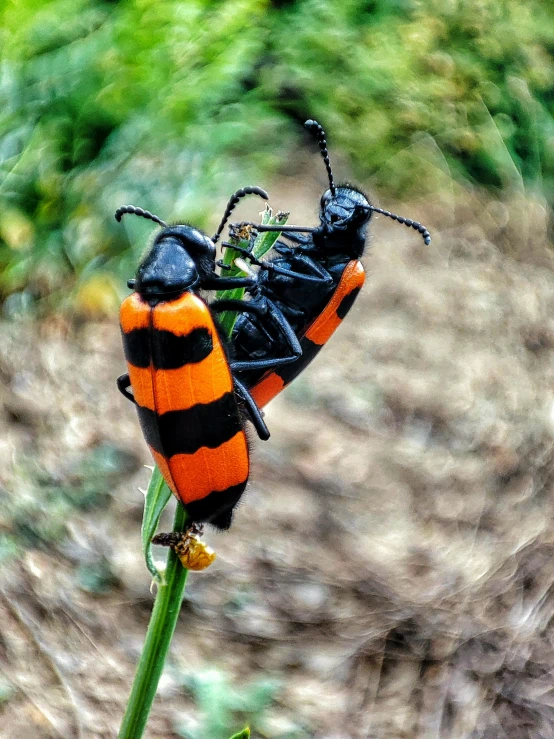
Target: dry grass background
(393, 560)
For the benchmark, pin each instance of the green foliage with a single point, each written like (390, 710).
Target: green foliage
(156, 499)
(222, 707)
(245, 734)
(102, 104)
(262, 244)
(173, 104)
(384, 76)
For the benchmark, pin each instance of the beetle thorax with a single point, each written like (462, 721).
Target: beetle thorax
(180, 259)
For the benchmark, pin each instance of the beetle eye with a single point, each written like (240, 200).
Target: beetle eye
(131, 284)
(362, 212)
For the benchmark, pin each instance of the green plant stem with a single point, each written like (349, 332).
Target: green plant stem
(158, 638)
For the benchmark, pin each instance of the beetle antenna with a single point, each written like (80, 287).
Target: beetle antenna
(425, 235)
(231, 205)
(317, 130)
(263, 228)
(136, 211)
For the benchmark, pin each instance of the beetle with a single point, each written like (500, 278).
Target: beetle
(324, 277)
(190, 402)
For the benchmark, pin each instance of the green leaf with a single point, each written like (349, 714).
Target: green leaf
(265, 241)
(156, 499)
(244, 734)
(262, 245)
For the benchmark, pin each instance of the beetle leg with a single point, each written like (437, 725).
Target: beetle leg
(320, 274)
(278, 319)
(254, 412)
(308, 263)
(296, 239)
(215, 282)
(123, 385)
(220, 264)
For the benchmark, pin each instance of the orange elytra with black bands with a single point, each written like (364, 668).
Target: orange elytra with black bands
(185, 400)
(314, 282)
(191, 405)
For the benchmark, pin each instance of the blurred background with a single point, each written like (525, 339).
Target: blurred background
(390, 571)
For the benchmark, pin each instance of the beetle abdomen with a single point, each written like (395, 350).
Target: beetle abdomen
(316, 335)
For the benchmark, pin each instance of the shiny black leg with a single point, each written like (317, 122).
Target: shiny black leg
(296, 239)
(254, 412)
(278, 319)
(320, 274)
(217, 282)
(123, 385)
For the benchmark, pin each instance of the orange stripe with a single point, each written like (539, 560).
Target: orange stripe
(178, 389)
(134, 313)
(328, 321)
(203, 382)
(207, 470)
(267, 389)
(183, 315)
(141, 382)
(161, 461)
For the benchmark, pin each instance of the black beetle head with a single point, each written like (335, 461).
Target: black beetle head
(348, 209)
(181, 258)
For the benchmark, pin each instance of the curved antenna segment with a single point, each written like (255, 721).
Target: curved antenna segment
(231, 205)
(425, 235)
(136, 211)
(317, 130)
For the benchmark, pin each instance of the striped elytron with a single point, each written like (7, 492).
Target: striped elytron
(186, 402)
(190, 403)
(324, 277)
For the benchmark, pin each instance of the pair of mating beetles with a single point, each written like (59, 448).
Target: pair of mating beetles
(192, 388)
